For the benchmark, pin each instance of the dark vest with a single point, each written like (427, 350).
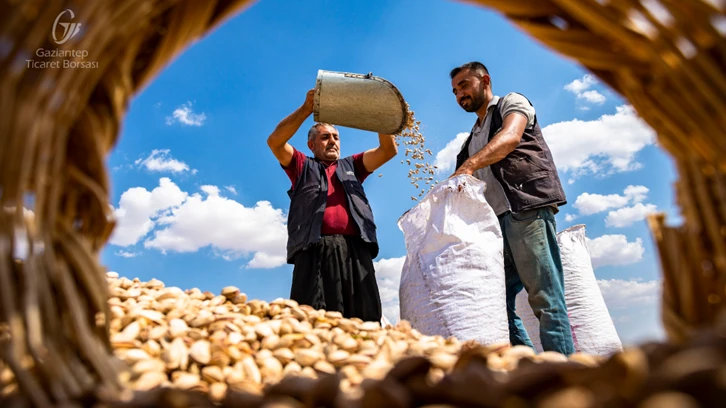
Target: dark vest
(528, 174)
(308, 199)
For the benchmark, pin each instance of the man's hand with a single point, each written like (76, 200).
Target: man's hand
(465, 168)
(309, 104)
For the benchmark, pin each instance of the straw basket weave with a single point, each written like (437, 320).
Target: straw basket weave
(59, 124)
(57, 127)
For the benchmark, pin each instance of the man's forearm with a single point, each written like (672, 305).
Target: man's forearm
(387, 143)
(503, 143)
(287, 128)
(386, 150)
(497, 149)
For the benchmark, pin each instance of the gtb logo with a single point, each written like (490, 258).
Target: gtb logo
(69, 29)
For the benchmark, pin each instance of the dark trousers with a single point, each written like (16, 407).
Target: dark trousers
(336, 274)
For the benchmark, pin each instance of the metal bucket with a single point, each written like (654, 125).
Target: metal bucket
(359, 101)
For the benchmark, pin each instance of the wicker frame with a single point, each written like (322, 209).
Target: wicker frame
(58, 126)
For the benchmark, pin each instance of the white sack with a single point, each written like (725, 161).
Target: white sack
(452, 282)
(592, 327)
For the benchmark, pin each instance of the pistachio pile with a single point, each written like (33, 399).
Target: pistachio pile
(196, 349)
(420, 171)
(196, 340)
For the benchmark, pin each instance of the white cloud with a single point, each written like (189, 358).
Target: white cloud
(229, 228)
(446, 158)
(231, 189)
(160, 160)
(262, 260)
(627, 216)
(126, 254)
(210, 190)
(579, 85)
(580, 88)
(625, 294)
(636, 193)
(635, 309)
(187, 223)
(588, 204)
(614, 250)
(388, 276)
(138, 206)
(602, 146)
(592, 96)
(620, 216)
(184, 115)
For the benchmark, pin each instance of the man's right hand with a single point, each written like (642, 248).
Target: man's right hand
(309, 104)
(284, 131)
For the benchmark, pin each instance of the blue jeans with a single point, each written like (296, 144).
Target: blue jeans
(532, 260)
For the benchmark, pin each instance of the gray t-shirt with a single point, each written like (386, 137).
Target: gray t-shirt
(512, 102)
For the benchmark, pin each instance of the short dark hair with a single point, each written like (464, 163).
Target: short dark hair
(314, 129)
(475, 66)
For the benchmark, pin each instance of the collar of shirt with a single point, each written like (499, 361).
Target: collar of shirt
(478, 124)
(324, 163)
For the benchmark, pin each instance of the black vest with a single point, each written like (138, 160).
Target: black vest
(528, 174)
(308, 199)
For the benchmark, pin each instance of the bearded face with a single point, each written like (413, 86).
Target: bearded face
(470, 90)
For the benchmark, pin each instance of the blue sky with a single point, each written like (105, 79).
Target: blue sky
(204, 200)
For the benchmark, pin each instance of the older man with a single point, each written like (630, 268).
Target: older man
(506, 150)
(331, 232)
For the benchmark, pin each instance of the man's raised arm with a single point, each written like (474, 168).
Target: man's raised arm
(285, 130)
(386, 150)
